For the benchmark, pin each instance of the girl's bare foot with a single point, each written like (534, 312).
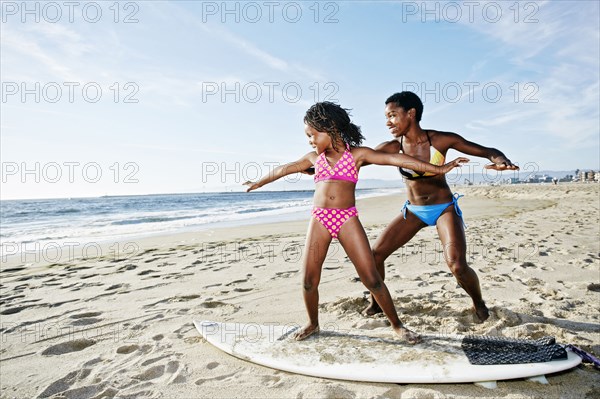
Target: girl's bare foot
(306, 332)
(408, 336)
(372, 309)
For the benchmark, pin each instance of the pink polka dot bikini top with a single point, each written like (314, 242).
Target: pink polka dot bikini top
(344, 169)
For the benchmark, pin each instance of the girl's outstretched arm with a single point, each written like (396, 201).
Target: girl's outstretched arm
(368, 155)
(289, 168)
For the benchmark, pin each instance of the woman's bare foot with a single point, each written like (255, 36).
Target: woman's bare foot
(408, 336)
(372, 309)
(306, 332)
(481, 311)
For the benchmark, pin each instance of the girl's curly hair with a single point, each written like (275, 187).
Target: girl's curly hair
(334, 120)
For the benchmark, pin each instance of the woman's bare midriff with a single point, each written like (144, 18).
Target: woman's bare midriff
(428, 191)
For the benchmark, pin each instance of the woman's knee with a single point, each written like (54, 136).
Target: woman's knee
(456, 258)
(458, 266)
(379, 255)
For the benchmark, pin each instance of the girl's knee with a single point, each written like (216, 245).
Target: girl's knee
(373, 283)
(310, 283)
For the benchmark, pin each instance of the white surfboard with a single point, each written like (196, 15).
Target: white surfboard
(358, 357)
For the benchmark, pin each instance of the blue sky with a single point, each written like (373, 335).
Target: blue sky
(202, 96)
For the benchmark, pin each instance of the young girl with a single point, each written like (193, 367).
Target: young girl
(337, 158)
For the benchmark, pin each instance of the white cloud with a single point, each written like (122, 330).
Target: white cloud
(559, 54)
(31, 51)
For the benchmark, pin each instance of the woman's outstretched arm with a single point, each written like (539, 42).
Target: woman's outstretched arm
(498, 159)
(368, 155)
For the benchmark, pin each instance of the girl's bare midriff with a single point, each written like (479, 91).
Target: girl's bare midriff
(334, 194)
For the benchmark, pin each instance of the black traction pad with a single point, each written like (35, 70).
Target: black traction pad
(487, 350)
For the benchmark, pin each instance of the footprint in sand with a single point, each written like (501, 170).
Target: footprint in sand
(177, 276)
(167, 372)
(285, 274)
(68, 347)
(223, 307)
(184, 298)
(52, 282)
(13, 269)
(134, 369)
(346, 305)
(450, 287)
(193, 265)
(164, 264)
(88, 276)
(10, 298)
(507, 317)
(154, 360)
(212, 285)
(14, 310)
(114, 287)
(213, 304)
(372, 324)
(237, 282)
(214, 379)
(595, 287)
(271, 381)
(212, 365)
(127, 349)
(126, 268)
(242, 289)
(526, 265)
(62, 385)
(145, 272)
(85, 321)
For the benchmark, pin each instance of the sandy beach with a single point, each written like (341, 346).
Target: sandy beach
(120, 325)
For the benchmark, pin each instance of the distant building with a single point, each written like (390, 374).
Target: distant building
(567, 178)
(579, 176)
(587, 176)
(539, 179)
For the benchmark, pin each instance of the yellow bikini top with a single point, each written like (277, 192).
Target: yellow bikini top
(436, 158)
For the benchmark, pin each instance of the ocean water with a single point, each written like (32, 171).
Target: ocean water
(27, 225)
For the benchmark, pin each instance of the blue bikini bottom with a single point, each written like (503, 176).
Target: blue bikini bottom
(429, 214)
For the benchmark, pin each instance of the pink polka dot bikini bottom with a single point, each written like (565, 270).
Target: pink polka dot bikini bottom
(333, 218)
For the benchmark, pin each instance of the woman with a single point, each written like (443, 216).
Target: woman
(430, 200)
